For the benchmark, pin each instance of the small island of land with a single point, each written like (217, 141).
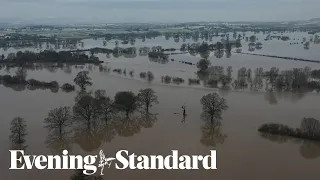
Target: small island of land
(309, 129)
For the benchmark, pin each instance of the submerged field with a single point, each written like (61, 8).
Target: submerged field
(242, 151)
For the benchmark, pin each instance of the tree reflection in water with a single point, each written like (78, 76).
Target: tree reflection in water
(127, 126)
(213, 106)
(308, 149)
(212, 135)
(228, 54)
(147, 120)
(204, 54)
(271, 98)
(57, 142)
(87, 136)
(159, 60)
(218, 53)
(275, 138)
(274, 97)
(108, 132)
(67, 69)
(86, 122)
(78, 175)
(58, 124)
(15, 87)
(89, 124)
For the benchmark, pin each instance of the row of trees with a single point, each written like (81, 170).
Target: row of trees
(225, 45)
(19, 82)
(48, 43)
(93, 115)
(50, 56)
(307, 149)
(297, 79)
(303, 79)
(92, 110)
(213, 107)
(309, 129)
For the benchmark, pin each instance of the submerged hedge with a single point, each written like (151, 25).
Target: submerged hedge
(309, 129)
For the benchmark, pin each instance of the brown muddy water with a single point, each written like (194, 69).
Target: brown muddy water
(242, 152)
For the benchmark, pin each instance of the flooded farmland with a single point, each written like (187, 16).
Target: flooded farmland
(242, 151)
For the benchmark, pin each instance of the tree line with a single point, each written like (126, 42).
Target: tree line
(309, 129)
(96, 116)
(22, 58)
(19, 81)
(294, 80)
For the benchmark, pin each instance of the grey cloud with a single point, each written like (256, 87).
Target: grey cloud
(63, 11)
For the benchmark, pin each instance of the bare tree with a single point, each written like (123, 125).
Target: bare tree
(58, 119)
(253, 38)
(105, 105)
(86, 111)
(18, 130)
(213, 105)
(125, 101)
(150, 76)
(83, 80)
(272, 75)
(86, 108)
(146, 98)
(11, 56)
(310, 126)
(203, 65)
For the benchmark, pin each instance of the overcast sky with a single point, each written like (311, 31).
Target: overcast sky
(110, 11)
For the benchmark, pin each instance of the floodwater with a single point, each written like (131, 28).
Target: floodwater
(242, 152)
(291, 48)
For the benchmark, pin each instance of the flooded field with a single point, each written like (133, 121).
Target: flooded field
(242, 152)
(293, 47)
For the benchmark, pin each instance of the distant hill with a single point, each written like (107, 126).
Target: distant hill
(4, 25)
(315, 20)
